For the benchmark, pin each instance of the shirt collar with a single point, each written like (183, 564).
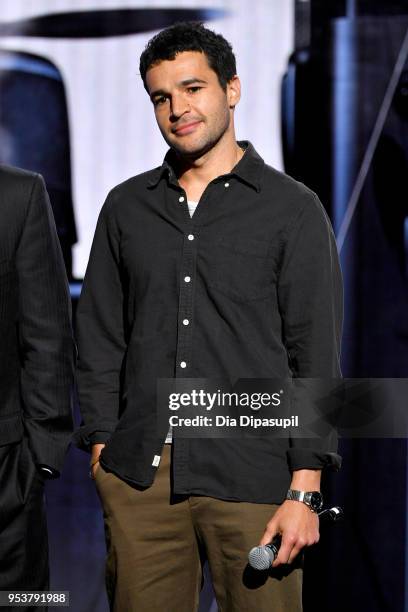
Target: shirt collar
(249, 169)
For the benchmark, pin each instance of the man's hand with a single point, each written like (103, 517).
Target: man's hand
(294, 521)
(96, 451)
(297, 525)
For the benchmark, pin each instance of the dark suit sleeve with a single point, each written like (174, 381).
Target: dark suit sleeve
(100, 334)
(310, 293)
(45, 333)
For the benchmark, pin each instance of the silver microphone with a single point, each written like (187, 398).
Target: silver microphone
(262, 557)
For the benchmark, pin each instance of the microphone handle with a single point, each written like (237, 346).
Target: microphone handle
(331, 514)
(274, 547)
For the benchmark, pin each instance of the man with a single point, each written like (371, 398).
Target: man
(212, 265)
(36, 375)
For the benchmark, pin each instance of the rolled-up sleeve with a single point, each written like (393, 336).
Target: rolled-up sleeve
(310, 294)
(100, 334)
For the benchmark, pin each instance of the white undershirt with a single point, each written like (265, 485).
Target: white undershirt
(191, 209)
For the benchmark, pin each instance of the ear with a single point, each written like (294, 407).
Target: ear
(233, 91)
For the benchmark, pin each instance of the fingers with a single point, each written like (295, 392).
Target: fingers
(289, 548)
(94, 469)
(292, 544)
(95, 454)
(298, 526)
(270, 532)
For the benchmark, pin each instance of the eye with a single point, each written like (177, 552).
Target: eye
(193, 89)
(159, 100)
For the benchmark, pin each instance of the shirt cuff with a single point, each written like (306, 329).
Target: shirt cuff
(309, 459)
(99, 437)
(87, 435)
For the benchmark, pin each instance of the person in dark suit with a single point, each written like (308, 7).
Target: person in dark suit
(36, 375)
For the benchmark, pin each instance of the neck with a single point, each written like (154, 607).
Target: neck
(219, 160)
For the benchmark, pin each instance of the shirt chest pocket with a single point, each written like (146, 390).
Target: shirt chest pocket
(242, 270)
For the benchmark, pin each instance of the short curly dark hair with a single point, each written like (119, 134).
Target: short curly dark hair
(190, 36)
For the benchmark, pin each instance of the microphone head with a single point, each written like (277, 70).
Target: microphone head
(261, 557)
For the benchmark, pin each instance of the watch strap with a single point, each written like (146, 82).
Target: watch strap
(307, 498)
(297, 496)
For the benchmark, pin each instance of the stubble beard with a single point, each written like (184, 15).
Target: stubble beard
(197, 147)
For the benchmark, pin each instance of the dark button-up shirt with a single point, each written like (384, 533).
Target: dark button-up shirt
(256, 273)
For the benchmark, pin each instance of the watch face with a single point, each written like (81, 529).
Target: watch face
(316, 501)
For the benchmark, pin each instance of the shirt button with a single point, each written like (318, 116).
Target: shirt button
(226, 184)
(190, 237)
(187, 279)
(183, 364)
(186, 321)
(181, 199)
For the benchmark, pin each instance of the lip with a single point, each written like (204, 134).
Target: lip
(186, 129)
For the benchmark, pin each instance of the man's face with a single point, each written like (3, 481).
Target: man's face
(192, 110)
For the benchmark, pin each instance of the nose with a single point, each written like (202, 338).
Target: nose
(179, 105)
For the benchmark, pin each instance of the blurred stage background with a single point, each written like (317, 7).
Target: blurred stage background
(325, 98)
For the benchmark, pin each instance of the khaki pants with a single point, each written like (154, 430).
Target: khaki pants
(156, 542)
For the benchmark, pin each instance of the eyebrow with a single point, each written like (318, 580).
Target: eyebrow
(162, 92)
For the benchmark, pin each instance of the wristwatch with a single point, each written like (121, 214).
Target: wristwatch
(313, 499)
